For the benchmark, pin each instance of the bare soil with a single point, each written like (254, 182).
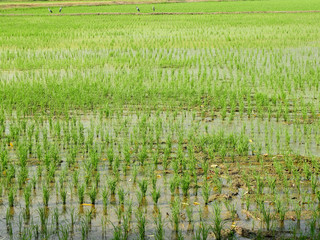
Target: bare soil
(168, 13)
(86, 3)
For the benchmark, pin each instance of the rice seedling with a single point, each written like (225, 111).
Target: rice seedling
(63, 194)
(121, 195)
(206, 192)
(218, 223)
(175, 214)
(112, 184)
(267, 217)
(185, 183)
(141, 224)
(11, 197)
(159, 231)
(27, 195)
(63, 233)
(81, 190)
(155, 196)
(93, 194)
(143, 184)
(43, 220)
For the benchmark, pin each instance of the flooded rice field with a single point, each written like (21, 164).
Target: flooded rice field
(122, 174)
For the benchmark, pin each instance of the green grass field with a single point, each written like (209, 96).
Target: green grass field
(238, 6)
(160, 126)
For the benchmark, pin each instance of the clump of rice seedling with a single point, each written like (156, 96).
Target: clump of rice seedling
(155, 196)
(143, 184)
(141, 219)
(105, 199)
(81, 190)
(121, 195)
(63, 194)
(93, 194)
(11, 196)
(206, 192)
(217, 222)
(175, 212)
(45, 194)
(159, 234)
(185, 184)
(112, 184)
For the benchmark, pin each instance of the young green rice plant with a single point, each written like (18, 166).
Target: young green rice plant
(84, 227)
(154, 180)
(165, 161)
(282, 213)
(142, 156)
(277, 203)
(88, 216)
(185, 183)
(314, 181)
(56, 218)
(27, 195)
(218, 184)
(45, 194)
(110, 156)
(63, 194)
(189, 211)
(232, 209)
(81, 190)
(134, 173)
(174, 184)
(298, 210)
(20, 223)
(175, 165)
(318, 196)
(93, 194)
(63, 233)
(203, 231)
(11, 197)
(112, 184)
(307, 171)
(218, 223)
(10, 229)
(159, 233)
(141, 220)
(195, 181)
(97, 179)
(175, 214)
(72, 219)
(272, 184)
(121, 195)
(117, 232)
(260, 185)
(313, 225)
(119, 213)
(248, 202)
(205, 167)
(206, 190)
(155, 196)
(126, 226)
(43, 220)
(22, 177)
(266, 213)
(9, 217)
(105, 199)
(143, 184)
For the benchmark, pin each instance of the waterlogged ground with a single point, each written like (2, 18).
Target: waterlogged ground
(263, 181)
